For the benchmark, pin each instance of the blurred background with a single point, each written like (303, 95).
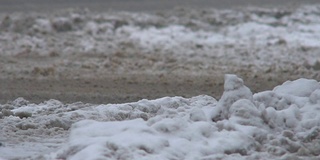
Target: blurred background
(139, 5)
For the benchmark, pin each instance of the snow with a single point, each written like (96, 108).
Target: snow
(241, 125)
(255, 38)
(234, 90)
(176, 32)
(283, 123)
(301, 87)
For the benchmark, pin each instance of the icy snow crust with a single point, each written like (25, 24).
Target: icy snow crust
(278, 124)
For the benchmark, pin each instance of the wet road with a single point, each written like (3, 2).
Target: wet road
(139, 5)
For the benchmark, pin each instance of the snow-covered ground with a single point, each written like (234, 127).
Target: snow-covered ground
(259, 39)
(282, 123)
(182, 31)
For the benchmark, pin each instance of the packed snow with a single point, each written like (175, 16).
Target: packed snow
(278, 124)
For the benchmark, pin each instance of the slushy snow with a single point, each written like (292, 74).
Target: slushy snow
(278, 124)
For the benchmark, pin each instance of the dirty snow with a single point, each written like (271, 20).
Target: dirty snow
(181, 32)
(189, 40)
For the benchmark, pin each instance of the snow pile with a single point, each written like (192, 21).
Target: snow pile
(278, 124)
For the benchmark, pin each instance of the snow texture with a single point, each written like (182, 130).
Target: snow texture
(283, 123)
(278, 124)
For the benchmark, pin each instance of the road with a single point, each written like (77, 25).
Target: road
(139, 5)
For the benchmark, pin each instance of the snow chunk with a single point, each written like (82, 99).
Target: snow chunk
(197, 115)
(245, 112)
(301, 87)
(315, 97)
(42, 25)
(134, 139)
(115, 139)
(234, 90)
(19, 102)
(289, 117)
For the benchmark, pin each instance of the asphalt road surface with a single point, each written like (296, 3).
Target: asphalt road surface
(139, 5)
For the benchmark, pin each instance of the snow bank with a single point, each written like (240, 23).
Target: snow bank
(278, 124)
